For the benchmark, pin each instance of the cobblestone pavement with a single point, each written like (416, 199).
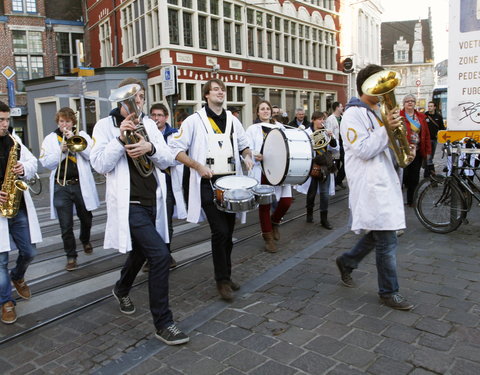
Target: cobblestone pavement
(292, 315)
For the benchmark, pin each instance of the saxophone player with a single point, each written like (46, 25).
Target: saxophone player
(23, 227)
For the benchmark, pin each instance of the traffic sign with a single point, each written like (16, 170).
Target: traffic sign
(457, 135)
(169, 80)
(418, 82)
(8, 72)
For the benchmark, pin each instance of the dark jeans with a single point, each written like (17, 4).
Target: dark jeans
(222, 225)
(312, 193)
(411, 176)
(20, 232)
(64, 197)
(385, 245)
(430, 167)
(148, 245)
(340, 176)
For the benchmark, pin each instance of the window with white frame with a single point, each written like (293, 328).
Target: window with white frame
(140, 27)
(28, 55)
(105, 44)
(24, 6)
(67, 51)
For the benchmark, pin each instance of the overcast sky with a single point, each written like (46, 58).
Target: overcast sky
(405, 10)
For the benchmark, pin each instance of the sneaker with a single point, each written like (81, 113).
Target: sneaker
(345, 273)
(396, 301)
(172, 335)
(87, 248)
(71, 264)
(22, 288)
(126, 304)
(9, 315)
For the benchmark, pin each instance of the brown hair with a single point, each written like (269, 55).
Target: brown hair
(160, 107)
(257, 108)
(66, 113)
(208, 86)
(317, 114)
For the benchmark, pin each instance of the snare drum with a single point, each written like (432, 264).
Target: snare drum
(227, 183)
(287, 156)
(264, 194)
(239, 200)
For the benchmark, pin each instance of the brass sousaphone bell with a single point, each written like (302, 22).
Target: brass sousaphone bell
(125, 95)
(382, 85)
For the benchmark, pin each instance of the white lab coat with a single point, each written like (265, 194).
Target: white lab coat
(193, 137)
(50, 157)
(375, 191)
(332, 124)
(30, 168)
(255, 137)
(108, 157)
(303, 188)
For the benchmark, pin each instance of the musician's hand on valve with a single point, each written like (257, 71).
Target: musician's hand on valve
(127, 125)
(394, 119)
(18, 169)
(3, 197)
(136, 150)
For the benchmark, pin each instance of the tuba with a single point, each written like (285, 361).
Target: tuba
(11, 185)
(125, 95)
(320, 139)
(75, 143)
(382, 84)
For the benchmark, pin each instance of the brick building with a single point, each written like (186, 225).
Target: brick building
(38, 39)
(282, 51)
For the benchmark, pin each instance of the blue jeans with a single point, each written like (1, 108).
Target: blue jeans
(64, 198)
(324, 193)
(147, 244)
(20, 232)
(385, 245)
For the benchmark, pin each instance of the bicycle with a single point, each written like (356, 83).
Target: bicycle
(35, 184)
(442, 202)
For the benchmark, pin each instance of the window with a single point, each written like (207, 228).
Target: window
(24, 6)
(67, 51)
(105, 44)
(28, 56)
(187, 30)
(202, 32)
(173, 26)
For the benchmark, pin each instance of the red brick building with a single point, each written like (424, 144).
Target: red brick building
(282, 51)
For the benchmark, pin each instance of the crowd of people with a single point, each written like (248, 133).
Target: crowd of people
(180, 169)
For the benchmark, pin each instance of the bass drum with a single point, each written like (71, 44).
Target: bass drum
(287, 156)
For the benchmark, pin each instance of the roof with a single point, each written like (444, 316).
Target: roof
(392, 31)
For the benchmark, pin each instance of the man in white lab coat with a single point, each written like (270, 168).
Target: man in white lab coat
(205, 135)
(136, 208)
(375, 197)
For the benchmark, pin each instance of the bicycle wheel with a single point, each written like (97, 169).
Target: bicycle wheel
(441, 206)
(35, 185)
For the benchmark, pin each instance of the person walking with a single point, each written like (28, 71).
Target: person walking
(213, 134)
(16, 162)
(375, 194)
(333, 124)
(136, 207)
(434, 120)
(72, 186)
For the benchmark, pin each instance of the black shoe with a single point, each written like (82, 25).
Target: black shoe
(396, 301)
(345, 273)
(126, 304)
(172, 335)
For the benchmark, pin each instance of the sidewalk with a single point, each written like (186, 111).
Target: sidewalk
(296, 318)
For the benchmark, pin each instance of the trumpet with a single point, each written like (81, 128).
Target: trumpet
(76, 143)
(125, 95)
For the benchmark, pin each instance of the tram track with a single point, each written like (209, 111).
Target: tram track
(61, 279)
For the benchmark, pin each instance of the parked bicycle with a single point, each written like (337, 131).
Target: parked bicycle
(35, 184)
(443, 202)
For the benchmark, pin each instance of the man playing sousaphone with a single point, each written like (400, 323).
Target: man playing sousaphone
(375, 196)
(214, 140)
(18, 218)
(72, 185)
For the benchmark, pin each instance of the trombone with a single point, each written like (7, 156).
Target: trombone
(75, 143)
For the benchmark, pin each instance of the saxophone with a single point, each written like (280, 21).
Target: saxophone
(11, 185)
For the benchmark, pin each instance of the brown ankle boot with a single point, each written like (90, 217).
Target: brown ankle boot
(275, 230)
(269, 242)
